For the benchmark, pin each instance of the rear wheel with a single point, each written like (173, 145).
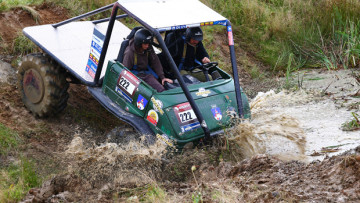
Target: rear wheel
(42, 85)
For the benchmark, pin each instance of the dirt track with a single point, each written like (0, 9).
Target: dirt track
(72, 150)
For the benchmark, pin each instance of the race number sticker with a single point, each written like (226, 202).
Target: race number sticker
(127, 84)
(186, 117)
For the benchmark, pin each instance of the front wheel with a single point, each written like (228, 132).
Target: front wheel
(42, 85)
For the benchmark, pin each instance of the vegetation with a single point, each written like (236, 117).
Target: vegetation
(354, 124)
(8, 4)
(22, 45)
(8, 139)
(16, 180)
(312, 33)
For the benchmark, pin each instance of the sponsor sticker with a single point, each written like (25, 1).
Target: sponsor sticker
(207, 23)
(164, 138)
(152, 117)
(157, 105)
(221, 22)
(202, 92)
(123, 94)
(178, 27)
(141, 102)
(186, 117)
(216, 113)
(189, 127)
(230, 36)
(95, 52)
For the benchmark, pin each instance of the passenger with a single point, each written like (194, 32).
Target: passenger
(141, 59)
(189, 52)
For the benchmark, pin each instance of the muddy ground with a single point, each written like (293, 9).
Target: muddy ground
(275, 157)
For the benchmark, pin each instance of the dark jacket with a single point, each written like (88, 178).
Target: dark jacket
(143, 59)
(177, 49)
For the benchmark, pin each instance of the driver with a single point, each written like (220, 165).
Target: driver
(141, 59)
(189, 52)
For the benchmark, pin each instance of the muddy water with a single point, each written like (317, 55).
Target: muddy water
(304, 125)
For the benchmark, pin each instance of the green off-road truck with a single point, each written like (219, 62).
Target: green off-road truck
(90, 53)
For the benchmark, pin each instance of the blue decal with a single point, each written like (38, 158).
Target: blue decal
(123, 94)
(178, 27)
(141, 102)
(229, 28)
(221, 22)
(96, 46)
(216, 113)
(189, 127)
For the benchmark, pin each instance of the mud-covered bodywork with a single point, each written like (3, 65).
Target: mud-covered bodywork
(169, 113)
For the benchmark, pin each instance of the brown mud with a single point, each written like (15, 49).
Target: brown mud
(81, 164)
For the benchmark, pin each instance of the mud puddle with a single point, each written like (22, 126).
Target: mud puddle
(307, 124)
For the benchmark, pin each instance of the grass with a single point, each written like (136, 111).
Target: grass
(8, 139)
(317, 33)
(6, 5)
(16, 180)
(22, 45)
(83, 6)
(155, 194)
(353, 124)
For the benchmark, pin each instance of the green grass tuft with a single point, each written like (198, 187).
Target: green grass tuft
(16, 180)
(6, 5)
(8, 139)
(354, 124)
(22, 45)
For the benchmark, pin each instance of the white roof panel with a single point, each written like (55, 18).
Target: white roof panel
(168, 14)
(70, 44)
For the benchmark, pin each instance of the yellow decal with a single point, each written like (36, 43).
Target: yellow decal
(166, 140)
(203, 92)
(157, 104)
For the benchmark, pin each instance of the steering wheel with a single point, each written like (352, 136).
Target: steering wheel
(204, 67)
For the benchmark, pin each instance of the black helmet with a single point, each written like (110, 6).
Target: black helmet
(143, 36)
(194, 33)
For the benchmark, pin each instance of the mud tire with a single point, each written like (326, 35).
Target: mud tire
(42, 85)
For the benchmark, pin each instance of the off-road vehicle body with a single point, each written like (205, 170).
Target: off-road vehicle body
(90, 53)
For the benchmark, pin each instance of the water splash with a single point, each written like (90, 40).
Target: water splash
(292, 125)
(272, 131)
(117, 164)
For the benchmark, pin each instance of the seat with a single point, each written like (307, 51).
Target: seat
(123, 46)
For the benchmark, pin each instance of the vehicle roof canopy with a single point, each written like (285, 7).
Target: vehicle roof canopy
(172, 14)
